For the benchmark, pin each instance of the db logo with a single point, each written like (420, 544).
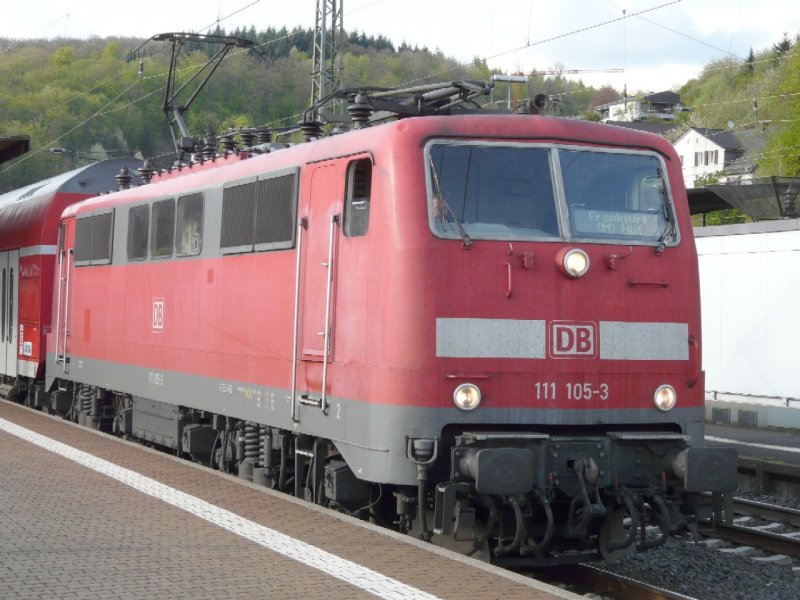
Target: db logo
(573, 339)
(158, 315)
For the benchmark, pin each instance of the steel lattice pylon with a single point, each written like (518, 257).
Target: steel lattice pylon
(328, 65)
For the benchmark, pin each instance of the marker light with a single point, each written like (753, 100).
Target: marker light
(665, 398)
(573, 262)
(467, 396)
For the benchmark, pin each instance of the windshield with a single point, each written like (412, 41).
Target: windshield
(614, 195)
(494, 192)
(524, 191)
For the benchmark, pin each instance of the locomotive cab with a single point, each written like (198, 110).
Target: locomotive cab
(568, 335)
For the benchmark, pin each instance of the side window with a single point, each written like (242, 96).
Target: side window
(93, 237)
(83, 240)
(260, 215)
(190, 225)
(238, 208)
(357, 197)
(162, 228)
(276, 205)
(138, 227)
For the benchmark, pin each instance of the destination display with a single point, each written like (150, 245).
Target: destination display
(612, 223)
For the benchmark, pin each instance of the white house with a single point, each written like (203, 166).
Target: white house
(706, 152)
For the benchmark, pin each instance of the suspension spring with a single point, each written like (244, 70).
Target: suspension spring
(86, 397)
(262, 437)
(252, 444)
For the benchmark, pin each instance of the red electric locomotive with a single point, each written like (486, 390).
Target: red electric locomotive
(29, 219)
(481, 328)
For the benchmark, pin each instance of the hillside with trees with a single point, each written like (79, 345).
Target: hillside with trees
(83, 100)
(762, 91)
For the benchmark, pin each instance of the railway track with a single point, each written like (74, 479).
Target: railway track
(607, 584)
(764, 510)
(763, 536)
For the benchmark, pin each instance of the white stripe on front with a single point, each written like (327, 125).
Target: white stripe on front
(357, 575)
(490, 338)
(622, 340)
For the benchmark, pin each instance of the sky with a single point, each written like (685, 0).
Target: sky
(642, 45)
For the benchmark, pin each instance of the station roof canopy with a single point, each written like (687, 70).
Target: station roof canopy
(12, 147)
(761, 199)
(703, 200)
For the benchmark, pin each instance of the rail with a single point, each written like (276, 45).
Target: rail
(764, 540)
(600, 581)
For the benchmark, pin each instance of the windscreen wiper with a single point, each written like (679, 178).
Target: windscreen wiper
(445, 210)
(669, 217)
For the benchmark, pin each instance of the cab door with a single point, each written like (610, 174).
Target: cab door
(9, 319)
(336, 205)
(319, 277)
(320, 218)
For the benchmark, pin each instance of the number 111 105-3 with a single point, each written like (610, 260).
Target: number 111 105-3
(550, 390)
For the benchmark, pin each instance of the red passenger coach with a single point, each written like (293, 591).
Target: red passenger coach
(484, 329)
(29, 219)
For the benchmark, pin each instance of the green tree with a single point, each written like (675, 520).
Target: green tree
(782, 154)
(783, 47)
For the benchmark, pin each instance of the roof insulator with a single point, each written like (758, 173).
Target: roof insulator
(360, 111)
(248, 137)
(228, 143)
(146, 171)
(123, 178)
(264, 135)
(209, 147)
(311, 129)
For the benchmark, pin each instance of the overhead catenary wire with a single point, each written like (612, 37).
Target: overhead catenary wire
(639, 16)
(234, 13)
(107, 80)
(33, 153)
(61, 17)
(528, 44)
(82, 94)
(546, 40)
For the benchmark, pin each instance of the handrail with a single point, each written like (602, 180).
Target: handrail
(66, 309)
(301, 225)
(323, 403)
(58, 303)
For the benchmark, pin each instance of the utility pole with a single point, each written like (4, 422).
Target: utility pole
(328, 65)
(516, 79)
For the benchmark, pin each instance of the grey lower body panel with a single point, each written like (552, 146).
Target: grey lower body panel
(371, 437)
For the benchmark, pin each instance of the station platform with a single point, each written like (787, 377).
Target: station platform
(752, 411)
(776, 445)
(88, 516)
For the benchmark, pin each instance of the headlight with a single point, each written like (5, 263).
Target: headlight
(467, 396)
(665, 397)
(573, 263)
